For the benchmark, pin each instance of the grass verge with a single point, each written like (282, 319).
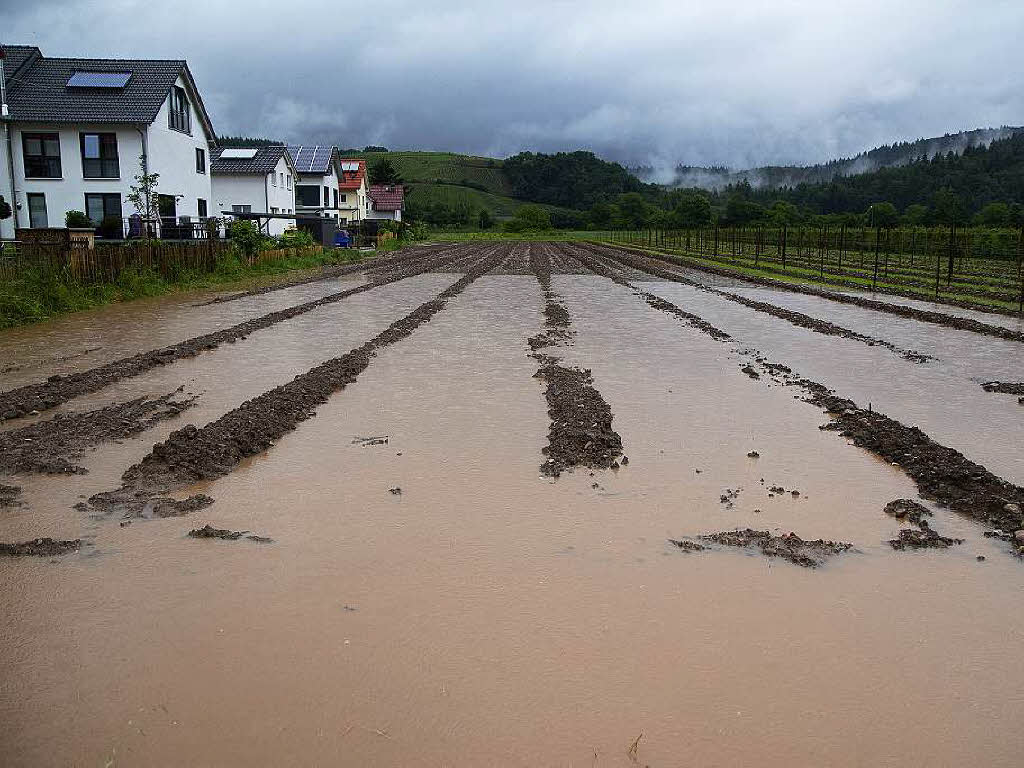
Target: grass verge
(39, 294)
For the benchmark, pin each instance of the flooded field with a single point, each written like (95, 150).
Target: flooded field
(510, 504)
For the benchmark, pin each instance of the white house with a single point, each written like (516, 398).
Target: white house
(352, 191)
(254, 180)
(80, 130)
(385, 201)
(316, 190)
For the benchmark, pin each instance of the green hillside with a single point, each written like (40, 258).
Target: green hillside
(483, 173)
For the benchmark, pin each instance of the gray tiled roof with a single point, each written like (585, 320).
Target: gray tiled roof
(263, 162)
(38, 90)
(15, 57)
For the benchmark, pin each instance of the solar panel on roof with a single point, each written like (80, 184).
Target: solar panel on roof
(99, 79)
(238, 154)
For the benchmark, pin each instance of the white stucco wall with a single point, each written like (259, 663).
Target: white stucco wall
(259, 192)
(7, 225)
(331, 181)
(173, 155)
(170, 154)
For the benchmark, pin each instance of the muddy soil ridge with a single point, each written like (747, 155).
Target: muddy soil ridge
(902, 310)
(581, 432)
(53, 446)
(192, 454)
(59, 389)
(798, 319)
(330, 271)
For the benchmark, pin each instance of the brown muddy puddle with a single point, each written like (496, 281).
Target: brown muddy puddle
(487, 616)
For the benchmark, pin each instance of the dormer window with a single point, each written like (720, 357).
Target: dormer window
(179, 115)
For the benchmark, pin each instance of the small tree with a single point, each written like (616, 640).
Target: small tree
(484, 219)
(247, 238)
(693, 210)
(384, 172)
(142, 194)
(529, 218)
(883, 216)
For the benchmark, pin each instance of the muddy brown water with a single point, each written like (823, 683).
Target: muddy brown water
(487, 615)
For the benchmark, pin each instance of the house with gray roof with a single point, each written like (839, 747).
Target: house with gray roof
(319, 170)
(77, 131)
(254, 180)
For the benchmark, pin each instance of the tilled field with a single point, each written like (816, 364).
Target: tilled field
(575, 494)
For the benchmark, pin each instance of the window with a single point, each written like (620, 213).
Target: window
(289, 181)
(201, 209)
(36, 210)
(99, 156)
(42, 155)
(344, 198)
(168, 206)
(179, 117)
(241, 208)
(200, 160)
(308, 195)
(335, 198)
(273, 179)
(282, 179)
(100, 206)
(327, 197)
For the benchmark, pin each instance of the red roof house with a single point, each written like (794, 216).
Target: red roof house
(386, 201)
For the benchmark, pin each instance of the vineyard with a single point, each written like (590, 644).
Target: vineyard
(482, 173)
(975, 268)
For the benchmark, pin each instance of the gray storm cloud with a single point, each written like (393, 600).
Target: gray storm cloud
(657, 83)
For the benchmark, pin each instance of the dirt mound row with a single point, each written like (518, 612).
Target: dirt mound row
(59, 389)
(581, 432)
(798, 319)
(924, 315)
(331, 271)
(53, 446)
(192, 454)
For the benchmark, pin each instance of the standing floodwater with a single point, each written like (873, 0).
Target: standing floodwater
(420, 592)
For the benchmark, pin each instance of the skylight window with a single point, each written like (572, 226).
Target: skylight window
(99, 79)
(238, 154)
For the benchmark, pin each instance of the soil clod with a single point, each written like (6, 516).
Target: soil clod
(40, 548)
(789, 546)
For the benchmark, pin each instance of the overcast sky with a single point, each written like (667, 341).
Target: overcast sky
(741, 83)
